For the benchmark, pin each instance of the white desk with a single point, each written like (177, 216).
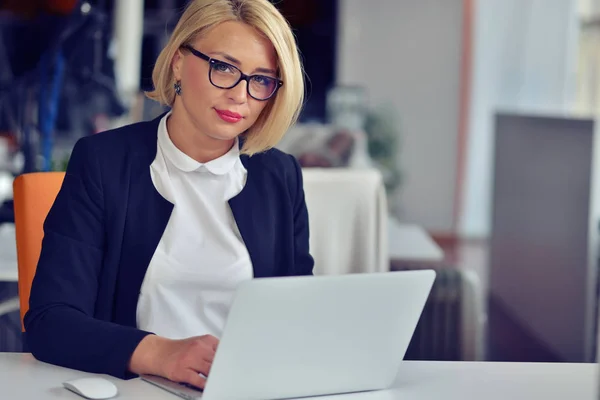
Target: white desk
(22, 377)
(411, 242)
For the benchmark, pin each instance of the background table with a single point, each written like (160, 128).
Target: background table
(8, 253)
(10, 323)
(412, 243)
(22, 377)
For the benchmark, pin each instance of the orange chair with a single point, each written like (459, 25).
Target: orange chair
(34, 194)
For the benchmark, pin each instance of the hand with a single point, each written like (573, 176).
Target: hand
(177, 360)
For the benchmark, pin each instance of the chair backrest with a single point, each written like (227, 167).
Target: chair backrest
(34, 194)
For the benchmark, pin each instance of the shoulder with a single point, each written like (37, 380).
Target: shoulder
(277, 163)
(132, 138)
(111, 152)
(279, 166)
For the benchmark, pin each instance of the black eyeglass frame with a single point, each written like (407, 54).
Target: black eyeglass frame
(243, 77)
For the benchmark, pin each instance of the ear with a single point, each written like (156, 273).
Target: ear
(177, 64)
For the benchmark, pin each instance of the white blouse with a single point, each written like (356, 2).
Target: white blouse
(201, 257)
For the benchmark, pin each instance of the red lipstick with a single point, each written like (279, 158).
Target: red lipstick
(229, 116)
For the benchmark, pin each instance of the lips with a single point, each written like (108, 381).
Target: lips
(229, 116)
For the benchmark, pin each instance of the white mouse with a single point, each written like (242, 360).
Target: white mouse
(95, 388)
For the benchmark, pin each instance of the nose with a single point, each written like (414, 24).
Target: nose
(239, 93)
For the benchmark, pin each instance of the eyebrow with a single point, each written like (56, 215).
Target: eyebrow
(239, 63)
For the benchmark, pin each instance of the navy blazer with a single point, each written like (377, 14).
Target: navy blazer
(104, 227)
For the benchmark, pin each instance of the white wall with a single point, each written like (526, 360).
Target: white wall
(407, 53)
(524, 55)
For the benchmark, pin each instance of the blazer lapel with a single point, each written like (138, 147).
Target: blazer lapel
(250, 216)
(146, 219)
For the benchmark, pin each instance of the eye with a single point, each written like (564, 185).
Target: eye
(224, 68)
(263, 80)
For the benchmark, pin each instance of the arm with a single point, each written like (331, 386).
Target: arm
(60, 327)
(303, 261)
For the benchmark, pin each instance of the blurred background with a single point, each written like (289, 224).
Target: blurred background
(458, 135)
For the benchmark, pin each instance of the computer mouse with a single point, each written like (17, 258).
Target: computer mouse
(94, 388)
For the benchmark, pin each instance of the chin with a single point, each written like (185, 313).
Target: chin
(225, 135)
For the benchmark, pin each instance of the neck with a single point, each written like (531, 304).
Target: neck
(197, 145)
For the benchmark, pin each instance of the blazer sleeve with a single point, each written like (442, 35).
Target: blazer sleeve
(303, 261)
(60, 327)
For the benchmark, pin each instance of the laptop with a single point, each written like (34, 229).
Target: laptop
(307, 336)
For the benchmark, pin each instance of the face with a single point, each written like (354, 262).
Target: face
(223, 114)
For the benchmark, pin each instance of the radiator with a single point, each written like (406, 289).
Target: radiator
(451, 327)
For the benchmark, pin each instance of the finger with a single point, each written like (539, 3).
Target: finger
(208, 358)
(201, 350)
(193, 378)
(212, 341)
(203, 367)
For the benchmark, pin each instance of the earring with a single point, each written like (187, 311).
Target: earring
(177, 87)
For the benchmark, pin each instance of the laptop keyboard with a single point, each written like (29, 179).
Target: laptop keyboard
(190, 386)
(187, 395)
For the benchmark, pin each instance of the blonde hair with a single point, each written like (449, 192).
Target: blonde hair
(284, 108)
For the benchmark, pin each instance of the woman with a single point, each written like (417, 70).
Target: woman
(158, 222)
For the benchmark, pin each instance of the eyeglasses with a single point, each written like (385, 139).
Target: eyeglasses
(227, 76)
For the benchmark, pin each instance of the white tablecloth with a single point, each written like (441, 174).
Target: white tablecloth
(348, 216)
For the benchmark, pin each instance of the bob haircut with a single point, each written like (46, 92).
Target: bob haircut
(284, 107)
